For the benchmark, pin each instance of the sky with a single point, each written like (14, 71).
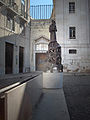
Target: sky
(41, 2)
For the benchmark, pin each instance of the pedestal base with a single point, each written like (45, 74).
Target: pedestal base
(52, 80)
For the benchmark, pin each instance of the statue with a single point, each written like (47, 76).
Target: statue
(53, 30)
(54, 50)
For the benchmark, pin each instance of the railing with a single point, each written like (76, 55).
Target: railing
(2, 0)
(14, 6)
(41, 11)
(23, 14)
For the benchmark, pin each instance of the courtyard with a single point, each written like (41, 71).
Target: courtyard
(76, 88)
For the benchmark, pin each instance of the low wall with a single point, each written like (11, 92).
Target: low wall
(19, 101)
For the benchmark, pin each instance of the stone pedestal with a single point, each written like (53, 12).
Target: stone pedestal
(52, 80)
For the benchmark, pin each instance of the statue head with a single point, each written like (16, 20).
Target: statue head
(53, 21)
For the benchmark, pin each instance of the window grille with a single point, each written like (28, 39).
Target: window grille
(71, 7)
(72, 51)
(41, 47)
(72, 33)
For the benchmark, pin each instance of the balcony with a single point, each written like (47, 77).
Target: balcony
(23, 15)
(14, 9)
(2, 2)
(14, 6)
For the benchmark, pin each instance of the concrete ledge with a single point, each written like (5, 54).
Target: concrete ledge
(20, 100)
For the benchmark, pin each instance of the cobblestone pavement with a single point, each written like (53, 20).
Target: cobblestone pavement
(77, 94)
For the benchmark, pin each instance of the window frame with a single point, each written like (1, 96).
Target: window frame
(72, 51)
(41, 47)
(23, 7)
(72, 32)
(10, 22)
(72, 7)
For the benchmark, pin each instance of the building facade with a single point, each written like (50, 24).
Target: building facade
(39, 41)
(24, 42)
(73, 33)
(14, 36)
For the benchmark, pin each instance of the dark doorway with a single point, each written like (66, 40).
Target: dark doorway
(41, 61)
(8, 58)
(21, 59)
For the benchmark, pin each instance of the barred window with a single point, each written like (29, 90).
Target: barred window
(72, 51)
(72, 32)
(11, 2)
(41, 47)
(71, 7)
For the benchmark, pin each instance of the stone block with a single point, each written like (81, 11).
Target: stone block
(53, 80)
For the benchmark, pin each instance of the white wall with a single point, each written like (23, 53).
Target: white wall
(80, 19)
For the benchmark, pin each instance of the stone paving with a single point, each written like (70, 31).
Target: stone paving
(77, 94)
(52, 106)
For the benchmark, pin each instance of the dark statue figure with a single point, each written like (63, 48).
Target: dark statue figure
(54, 50)
(53, 30)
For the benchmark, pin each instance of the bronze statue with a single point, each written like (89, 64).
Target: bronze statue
(54, 50)
(53, 30)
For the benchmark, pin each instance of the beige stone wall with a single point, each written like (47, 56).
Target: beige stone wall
(17, 38)
(39, 28)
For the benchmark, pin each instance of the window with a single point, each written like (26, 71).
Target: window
(23, 7)
(72, 51)
(41, 47)
(72, 32)
(27, 9)
(71, 7)
(22, 27)
(11, 2)
(10, 23)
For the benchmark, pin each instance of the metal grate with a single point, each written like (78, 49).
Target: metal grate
(41, 11)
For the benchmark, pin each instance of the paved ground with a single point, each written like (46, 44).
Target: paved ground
(52, 106)
(77, 93)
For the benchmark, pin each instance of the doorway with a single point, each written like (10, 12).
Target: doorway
(8, 58)
(41, 61)
(21, 59)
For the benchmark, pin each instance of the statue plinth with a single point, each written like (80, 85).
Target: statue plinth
(53, 80)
